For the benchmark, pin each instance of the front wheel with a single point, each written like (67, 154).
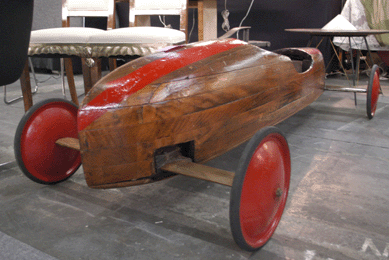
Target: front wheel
(36, 152)
(260, 189)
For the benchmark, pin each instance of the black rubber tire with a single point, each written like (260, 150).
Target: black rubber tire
(237, 228)
(373, 89)
(20, 131)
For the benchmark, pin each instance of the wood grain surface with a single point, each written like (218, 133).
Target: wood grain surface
(216, 103)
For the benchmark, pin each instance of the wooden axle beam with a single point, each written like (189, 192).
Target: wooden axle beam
(200, 171)
(186, 168)
(69, 142)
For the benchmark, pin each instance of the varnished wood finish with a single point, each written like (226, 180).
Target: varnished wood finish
(217, 103)
(201, 171)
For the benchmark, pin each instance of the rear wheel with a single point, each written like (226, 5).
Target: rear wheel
(260, 189)
(36, 152)
(373, 90)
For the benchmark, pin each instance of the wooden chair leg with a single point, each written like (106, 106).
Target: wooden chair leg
(70, 77)
(86, 74)
(26, 87)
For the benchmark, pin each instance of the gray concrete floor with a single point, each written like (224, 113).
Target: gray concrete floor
(338, 206)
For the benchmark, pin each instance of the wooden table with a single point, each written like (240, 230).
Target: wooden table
(345, 33)
(342, 33)
(337, 33)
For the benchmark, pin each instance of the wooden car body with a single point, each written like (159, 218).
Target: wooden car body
(205, 98)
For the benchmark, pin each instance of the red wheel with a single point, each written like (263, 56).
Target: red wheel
(36, 152)
(373, 90)
(260, 189)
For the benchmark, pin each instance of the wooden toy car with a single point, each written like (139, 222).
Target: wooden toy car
(171, 111)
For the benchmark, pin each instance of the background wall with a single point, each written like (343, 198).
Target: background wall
(269, 19)
(47, 14)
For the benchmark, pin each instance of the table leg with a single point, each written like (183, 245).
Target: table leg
(353, 69)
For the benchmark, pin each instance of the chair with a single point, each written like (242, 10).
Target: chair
(140, 41)
(15, 16)
(67, 42)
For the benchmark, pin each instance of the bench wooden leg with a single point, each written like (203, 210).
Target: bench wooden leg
(70, 77)
(91, 73)
(112, 64)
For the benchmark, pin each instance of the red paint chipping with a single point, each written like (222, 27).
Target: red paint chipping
(123, 87)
